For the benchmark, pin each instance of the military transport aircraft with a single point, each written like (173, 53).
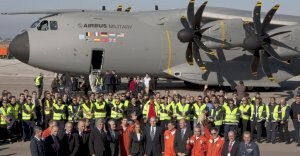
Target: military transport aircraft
(214, 46)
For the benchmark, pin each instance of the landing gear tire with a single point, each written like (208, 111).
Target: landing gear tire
(250, 88)
(267, 88)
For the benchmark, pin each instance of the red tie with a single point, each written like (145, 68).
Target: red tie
(230, 147)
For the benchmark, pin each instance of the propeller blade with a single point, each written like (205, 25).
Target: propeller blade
(269, 17)
(189, 54)
(279, 33)
(256, 17)
(269, 49)
(128, 9)
(203, 47)
(184, 22)
(197, 57)
(199, 13)
(103, 8)
(191, 13)
(201, 31)
(280, 44)
(265, 67)
(119, 8)
(254, 65)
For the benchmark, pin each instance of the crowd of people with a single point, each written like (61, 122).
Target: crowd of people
(144, 123)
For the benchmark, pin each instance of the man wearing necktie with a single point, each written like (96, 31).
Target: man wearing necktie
(248, 147)
(181, 137)
(154, 137)
(99, 140)
(231, 146)
(37, 145)
(69, 141)
(52, 145)
(114, 142)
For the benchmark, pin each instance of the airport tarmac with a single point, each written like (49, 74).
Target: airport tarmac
(15, 77)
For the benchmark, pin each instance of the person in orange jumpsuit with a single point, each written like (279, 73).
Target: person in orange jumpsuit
(169, 137)
(125, 132)
(214, 144)
(197, 143)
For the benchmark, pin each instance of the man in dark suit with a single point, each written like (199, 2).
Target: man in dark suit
(248, 147)
(37, 145)
(107, 82)
(83, 138)
(231, 147)
(52, 145)
(69, 141)
(115, 139)
(154, 139)
(181, 137)
(99, 140)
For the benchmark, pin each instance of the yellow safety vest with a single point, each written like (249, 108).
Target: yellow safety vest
(283, 110)
(244, 110)
(275, 113)
(48, 105)
(4, 113)
(146, 109)
(59, 116)
(126, 103)
(15, 110)
(231, 116)
(71, 112)
(164, 112)
(87, 113)
(99, 81)
(26, 116)
(214, 115)
(37, 81)
(198, 110)
(117, 111)
(100, 111)
(260, 112)
(182, 110)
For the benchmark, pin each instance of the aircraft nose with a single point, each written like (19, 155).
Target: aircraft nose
(19, 47)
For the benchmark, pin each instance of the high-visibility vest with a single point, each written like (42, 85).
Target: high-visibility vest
(117, 111)
(146, 109)
(59, 116)
(4, 113)
(37, 81)
(15, 110)
(48, 105)
(182, 109)
(100, 111)
(231, 116)
(99, 81)
(198, 109)
(87, 113)
(214, 115)
(244, 110)
(283, 111)
(164, 112)
(276, 113)
(261, 110)
(26, 116)
(126, 103)
(71, 112)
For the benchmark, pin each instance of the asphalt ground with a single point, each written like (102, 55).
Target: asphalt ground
(19, 76)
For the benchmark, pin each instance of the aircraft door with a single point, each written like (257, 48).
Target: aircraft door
(96, 60)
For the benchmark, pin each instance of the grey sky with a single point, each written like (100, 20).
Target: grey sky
(11, 25)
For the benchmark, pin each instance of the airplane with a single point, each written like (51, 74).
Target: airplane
(205, 45)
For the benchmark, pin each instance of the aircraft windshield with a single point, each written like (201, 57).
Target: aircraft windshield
(36, 23)
(53, 25)
(43, 26)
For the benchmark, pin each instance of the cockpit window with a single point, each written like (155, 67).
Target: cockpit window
(43, 26)
(36, 23)
(53, 25)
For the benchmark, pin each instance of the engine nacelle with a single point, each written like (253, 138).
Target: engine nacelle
(224, 34)
(287, 45)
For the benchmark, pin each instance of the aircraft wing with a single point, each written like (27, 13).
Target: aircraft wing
(43, 12)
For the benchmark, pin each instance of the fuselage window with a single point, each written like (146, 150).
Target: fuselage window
(53, 25)
(43, 26)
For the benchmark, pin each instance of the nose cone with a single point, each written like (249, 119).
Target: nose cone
(19, 47)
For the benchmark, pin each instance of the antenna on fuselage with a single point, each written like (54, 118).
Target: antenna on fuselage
(156, 7)
(103, 8)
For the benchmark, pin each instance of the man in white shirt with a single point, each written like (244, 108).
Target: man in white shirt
(147, 83)
(231, 146)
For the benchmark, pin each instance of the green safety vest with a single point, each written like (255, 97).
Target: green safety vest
(275, 113)
(4, 113)
(100, 111)
(283, 110)
(71, 112)
(47, 104)
(15, 110)
(126, 103)
(214, 115)
(115, 114)
(261, 111)
(182, 110)
(198, 110)
(87, 109)
(26, 116)
(59, 116)
(146, 109)
(164, 112)
(231, 116)
(244, 110)
(37, 81)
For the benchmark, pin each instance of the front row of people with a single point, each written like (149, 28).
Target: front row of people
(136, 140)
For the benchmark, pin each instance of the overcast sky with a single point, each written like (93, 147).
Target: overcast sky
(12, 25)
